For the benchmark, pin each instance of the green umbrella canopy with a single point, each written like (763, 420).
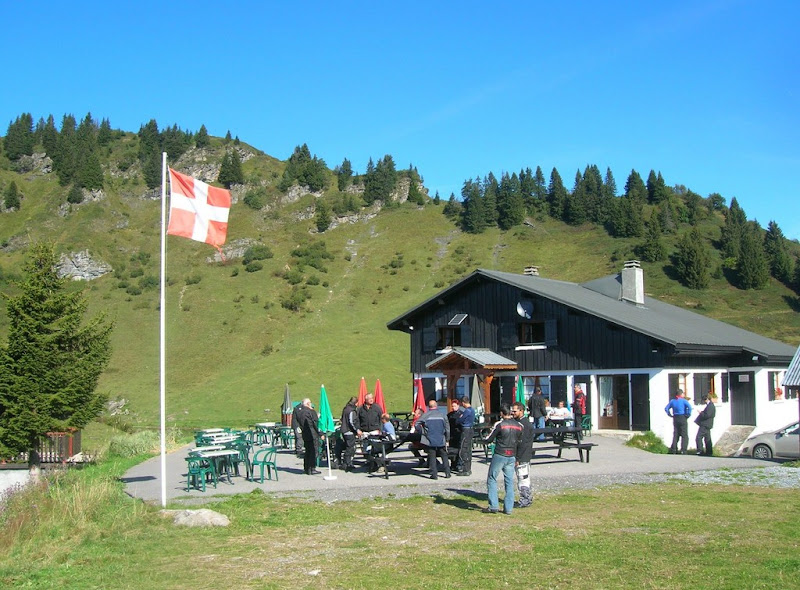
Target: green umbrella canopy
(520, 397)
(325, 415)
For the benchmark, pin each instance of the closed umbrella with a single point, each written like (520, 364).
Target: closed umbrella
(326, 426)
(379, 397)
(419, 396)
(437, 386)
(362, 392)
(287, 407)
(520, 393)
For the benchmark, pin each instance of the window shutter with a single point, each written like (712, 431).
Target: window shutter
(508, 335)
(551, 332)
(429, 340)
(466, 336)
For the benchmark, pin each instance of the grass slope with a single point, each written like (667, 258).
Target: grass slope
(232, 347)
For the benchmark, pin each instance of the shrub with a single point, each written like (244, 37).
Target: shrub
(295, 300)
(648, 441)
(133, 290)
(254, 266)
(136, 272)
(256, 198)
(148, 282)
(293, 276)
(312, 280)
(193, 279)
(257, 252)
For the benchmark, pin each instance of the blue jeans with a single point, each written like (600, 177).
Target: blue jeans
(506, 465)
(540, 424)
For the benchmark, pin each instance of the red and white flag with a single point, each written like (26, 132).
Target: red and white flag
(196, 210)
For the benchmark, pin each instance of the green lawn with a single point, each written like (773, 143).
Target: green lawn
(85, 533)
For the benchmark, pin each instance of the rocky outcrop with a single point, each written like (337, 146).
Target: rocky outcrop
(234, 249)
(80, 266)
(39, 163)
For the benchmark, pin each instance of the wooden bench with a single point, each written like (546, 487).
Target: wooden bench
(580, 446)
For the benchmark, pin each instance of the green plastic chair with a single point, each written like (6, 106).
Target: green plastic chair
(265, 457)
(198, 470)
(586, 425)
(242, 457)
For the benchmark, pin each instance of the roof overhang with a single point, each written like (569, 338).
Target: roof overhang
(470, 358)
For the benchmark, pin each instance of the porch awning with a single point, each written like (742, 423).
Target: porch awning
(459, 358)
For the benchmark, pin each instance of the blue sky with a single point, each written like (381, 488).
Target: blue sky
(706, 92)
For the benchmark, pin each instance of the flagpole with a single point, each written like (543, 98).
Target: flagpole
(162, 339)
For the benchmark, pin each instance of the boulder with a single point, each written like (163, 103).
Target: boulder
(194, 518)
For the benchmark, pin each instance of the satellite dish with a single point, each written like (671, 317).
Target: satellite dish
(525, 309)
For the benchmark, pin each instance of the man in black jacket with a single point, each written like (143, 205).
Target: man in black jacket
(538, 409)
(348, 431)
(297, 419)
(705, 422)
(309, 425)
(369, 416)
(524, 455)
(505, 435)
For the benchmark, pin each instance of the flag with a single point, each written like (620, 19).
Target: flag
(196, 210)
(419, 396)
(325, 415)
(379, 396)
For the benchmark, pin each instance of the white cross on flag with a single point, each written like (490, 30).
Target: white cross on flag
(196, 210)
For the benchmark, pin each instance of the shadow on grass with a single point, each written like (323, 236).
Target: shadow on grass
(793, 302)
(466, 499)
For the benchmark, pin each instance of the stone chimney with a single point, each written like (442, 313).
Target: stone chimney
(531, 271)
(633, 282)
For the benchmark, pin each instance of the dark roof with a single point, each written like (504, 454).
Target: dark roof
(792, 378)
(687, 331)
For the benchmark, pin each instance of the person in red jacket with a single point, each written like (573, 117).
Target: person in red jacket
(578, 404)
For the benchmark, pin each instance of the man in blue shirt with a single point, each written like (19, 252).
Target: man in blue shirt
(467, 422)
(680, 410)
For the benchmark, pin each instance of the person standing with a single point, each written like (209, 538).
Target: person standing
(309, 425)
(505, 435)
(467, 423)
(297, 419)
(523, 455)
(680, 410)
(578, 405)
(538, 410)
(435, 433)
(454, 442)
(348, 429)
(705, 422)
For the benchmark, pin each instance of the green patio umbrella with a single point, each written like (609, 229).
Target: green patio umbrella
(326, 426)
(325, 415)
(520, 394)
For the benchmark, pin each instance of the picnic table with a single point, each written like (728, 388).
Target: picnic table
(381, 447)
(562, 437)
(221, 459)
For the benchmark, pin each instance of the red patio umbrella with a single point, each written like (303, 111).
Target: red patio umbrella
(362, 392)
(419, 396)
(379, 396)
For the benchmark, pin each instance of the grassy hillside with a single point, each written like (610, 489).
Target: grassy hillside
(232, 346)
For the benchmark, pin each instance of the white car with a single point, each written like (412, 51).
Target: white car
(783, 443)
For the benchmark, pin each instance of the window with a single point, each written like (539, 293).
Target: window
(531, 333)
(676, 381)
(703, 384)
(449, 337)
(776, 392)
(531, 383)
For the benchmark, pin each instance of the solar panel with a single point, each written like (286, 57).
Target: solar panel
(457, 319)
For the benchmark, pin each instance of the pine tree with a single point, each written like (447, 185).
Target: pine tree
(151, 170)
(90, 174)
(575, 203)
(202, 140)
(635, 188)
(452, 209)
(344, 175)
(652, 249)
(65, 159)
(75, 195)
(511, 208)
(692, 261)
(752, 267)
(437, 199)
(539, 188)
(556, 195)
(414, 194)
(52, 360)
(489, 190)
(49, 136)
(323, 215)
(104, 134)
(735, 222)
(473, 218)
(11, 198)
(796, 278)
(230, 171)
(780, 263)
(20, 139)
